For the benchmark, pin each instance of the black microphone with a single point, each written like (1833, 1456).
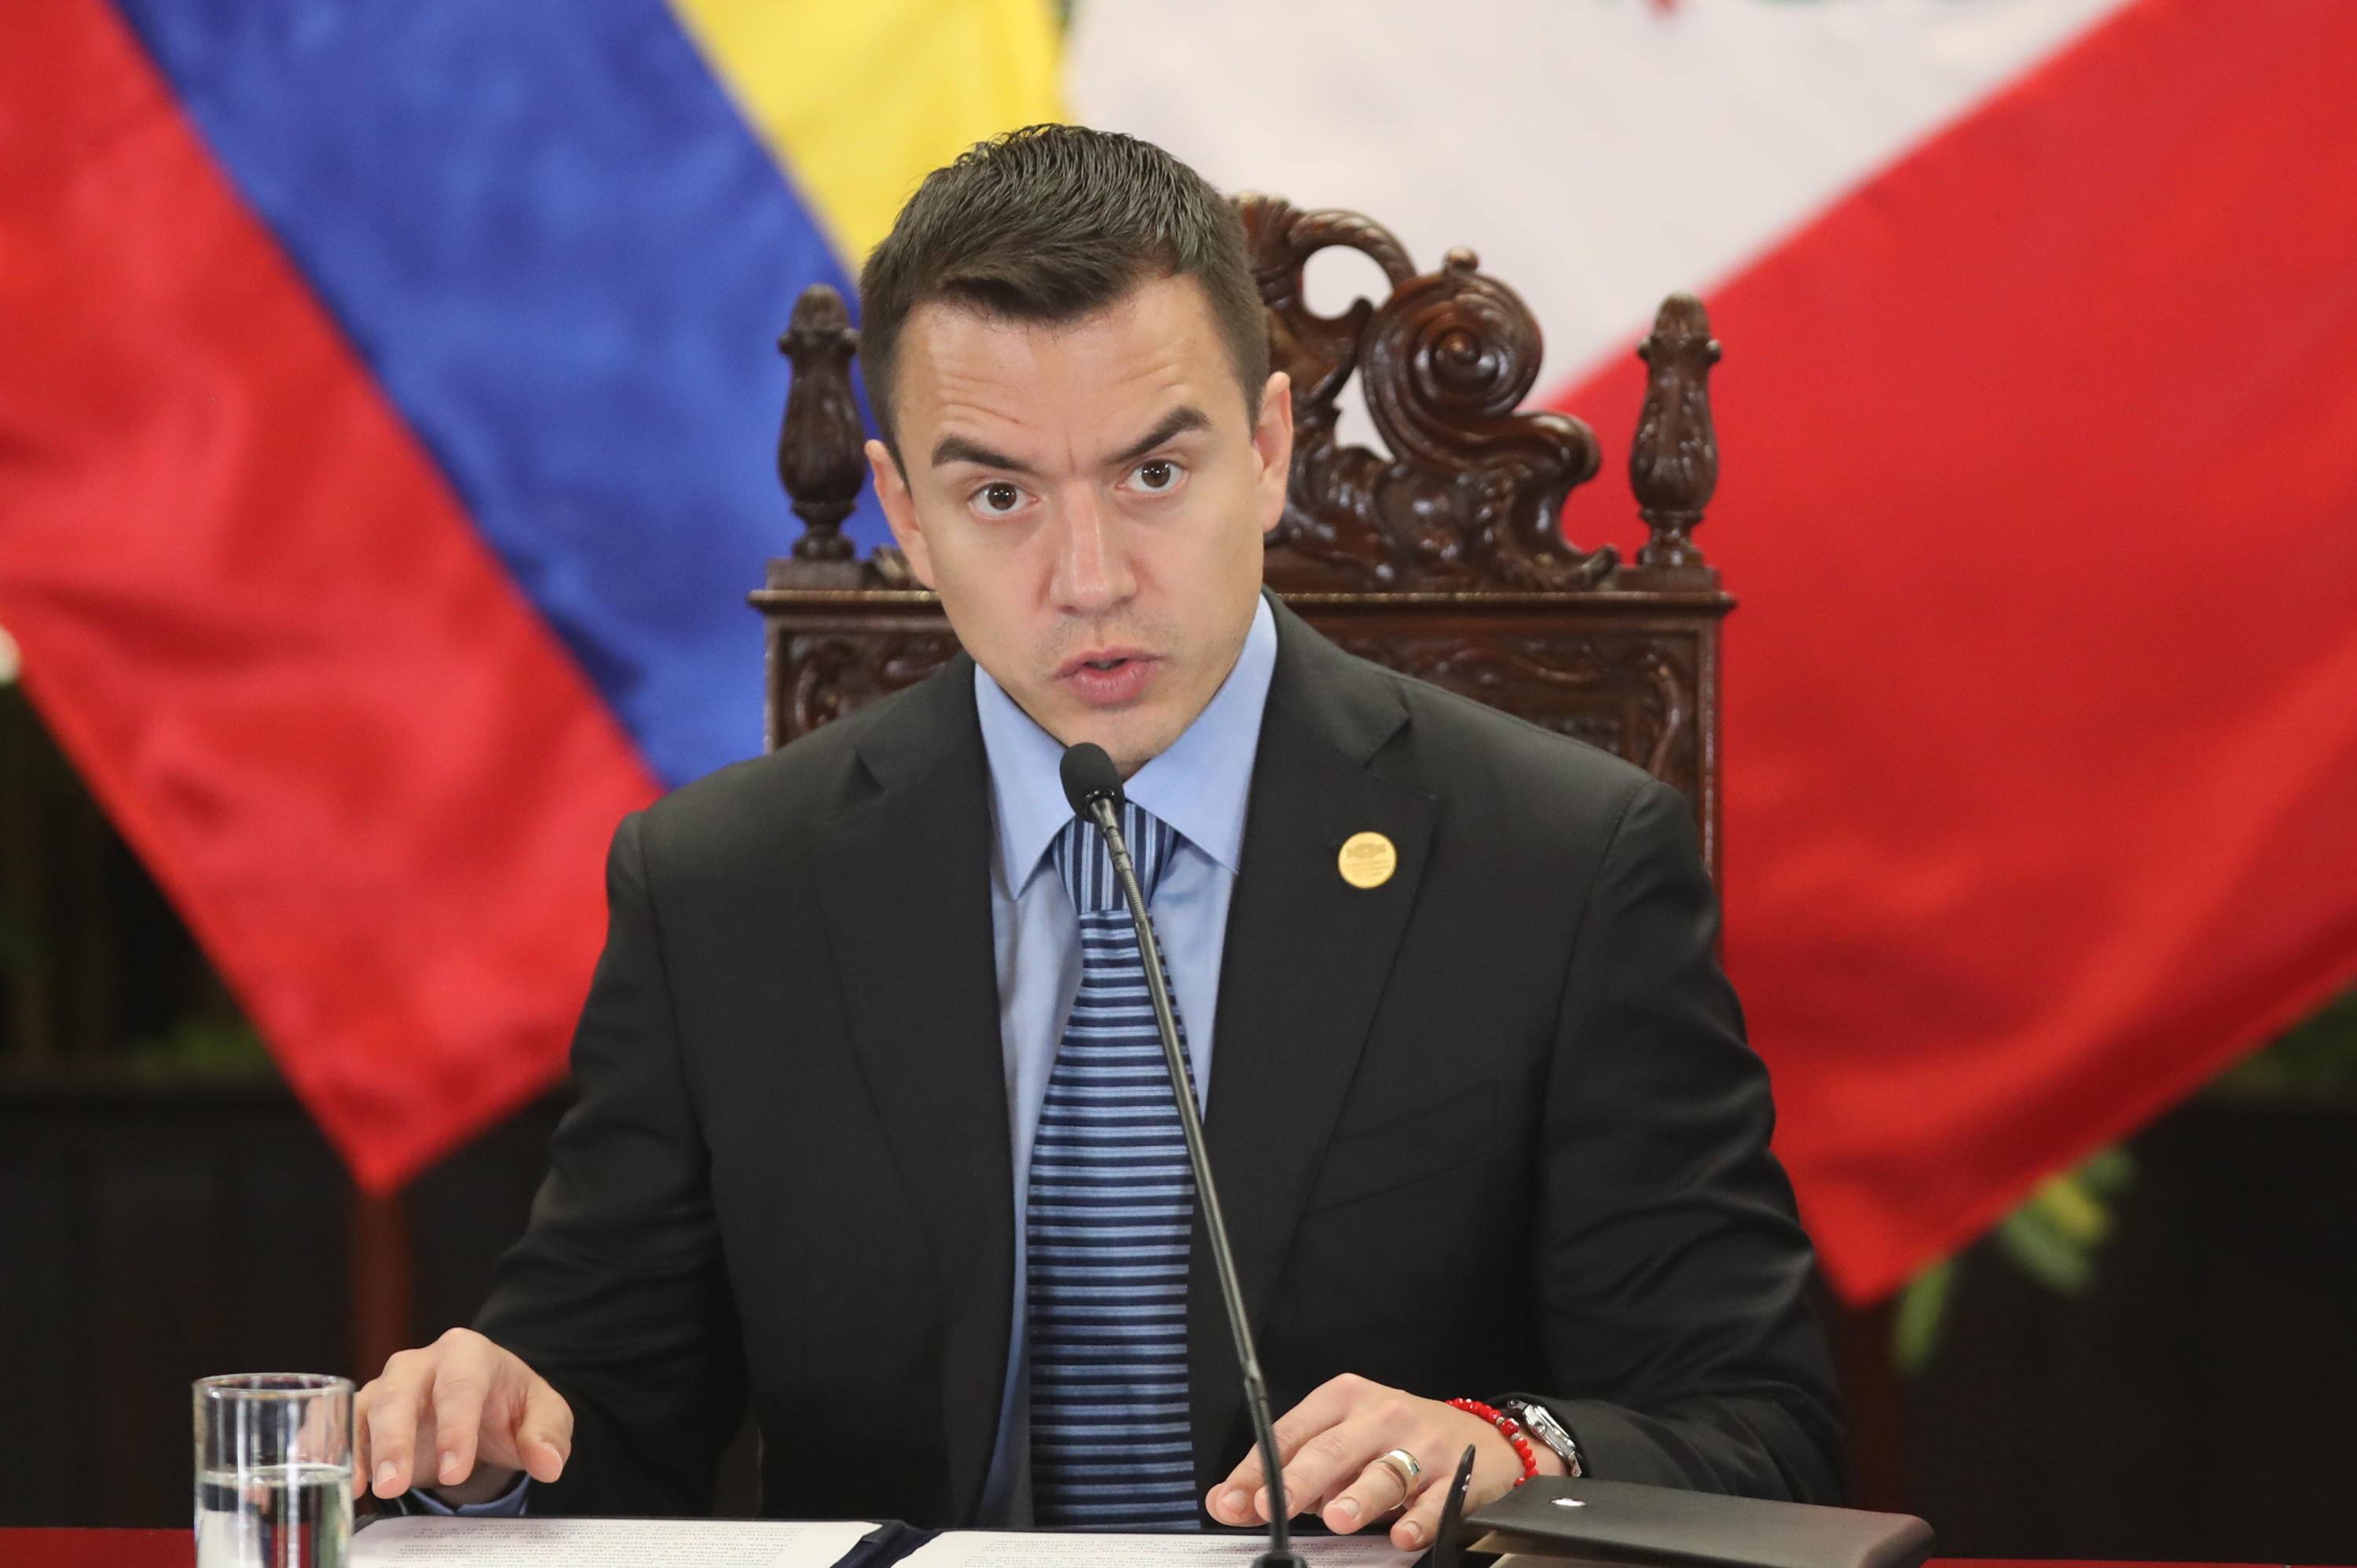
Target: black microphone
(1092, 785)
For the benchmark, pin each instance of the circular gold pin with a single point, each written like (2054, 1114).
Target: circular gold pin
(1367, 860)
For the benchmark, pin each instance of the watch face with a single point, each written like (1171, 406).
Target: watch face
(1549, 1430)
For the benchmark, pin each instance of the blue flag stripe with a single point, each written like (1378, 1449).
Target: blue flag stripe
(566, 259)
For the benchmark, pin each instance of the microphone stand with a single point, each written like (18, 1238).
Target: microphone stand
(1093, 786)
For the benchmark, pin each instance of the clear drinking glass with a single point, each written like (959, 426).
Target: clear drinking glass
(273, 1470)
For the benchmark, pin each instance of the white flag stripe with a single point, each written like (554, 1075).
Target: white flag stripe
(1597, 153)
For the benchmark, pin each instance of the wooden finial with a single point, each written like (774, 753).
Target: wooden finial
(820, 448)
(1674, 461)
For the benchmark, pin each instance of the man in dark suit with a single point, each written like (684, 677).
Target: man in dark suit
(1477, 1093)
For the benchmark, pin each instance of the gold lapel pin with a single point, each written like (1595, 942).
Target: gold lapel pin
(1367, 860)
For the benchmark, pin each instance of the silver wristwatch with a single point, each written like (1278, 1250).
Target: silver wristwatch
(1540, 1424)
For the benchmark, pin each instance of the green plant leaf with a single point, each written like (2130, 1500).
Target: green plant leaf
(1923, 1308)
(2040, 1249)
(2070, 1206)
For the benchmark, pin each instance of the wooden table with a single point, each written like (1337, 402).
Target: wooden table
(177, 1549)
(98, 1548)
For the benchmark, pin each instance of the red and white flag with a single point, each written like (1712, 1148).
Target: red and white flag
(2039, 429)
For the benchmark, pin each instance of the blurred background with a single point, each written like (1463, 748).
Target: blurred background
(388, 399)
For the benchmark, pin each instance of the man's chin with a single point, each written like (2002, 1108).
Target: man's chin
(1132, 736)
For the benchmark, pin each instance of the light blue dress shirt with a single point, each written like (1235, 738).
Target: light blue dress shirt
(1199, 787)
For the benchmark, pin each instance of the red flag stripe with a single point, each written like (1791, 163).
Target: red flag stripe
(2042, 731)
(366, 772)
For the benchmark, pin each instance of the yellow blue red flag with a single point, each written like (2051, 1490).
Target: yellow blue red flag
(386, 418)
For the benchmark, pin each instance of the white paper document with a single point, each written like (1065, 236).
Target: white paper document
(1010, 1549)
(418, 1542)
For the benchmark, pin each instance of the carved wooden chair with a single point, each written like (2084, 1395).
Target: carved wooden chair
(1445, 561)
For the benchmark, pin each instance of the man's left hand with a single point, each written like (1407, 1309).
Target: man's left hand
(1330, 1444)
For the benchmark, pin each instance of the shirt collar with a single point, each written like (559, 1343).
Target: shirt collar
(1199, 785)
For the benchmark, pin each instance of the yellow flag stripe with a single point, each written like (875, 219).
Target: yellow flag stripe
(859, 100)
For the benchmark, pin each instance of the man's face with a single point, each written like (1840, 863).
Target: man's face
(1089, 499)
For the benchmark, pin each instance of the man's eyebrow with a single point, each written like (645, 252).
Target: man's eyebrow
(1177, 421)
(958, 449)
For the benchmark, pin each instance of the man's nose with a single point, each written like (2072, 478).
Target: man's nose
(1092, 571)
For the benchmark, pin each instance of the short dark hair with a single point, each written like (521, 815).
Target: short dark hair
(1051, 223)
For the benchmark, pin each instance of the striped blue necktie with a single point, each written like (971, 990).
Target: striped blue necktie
(1110, 1219)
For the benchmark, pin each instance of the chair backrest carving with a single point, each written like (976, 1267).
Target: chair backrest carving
(1471, 497)
(1445, 560)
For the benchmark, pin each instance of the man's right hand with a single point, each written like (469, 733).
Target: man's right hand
(486, 1414)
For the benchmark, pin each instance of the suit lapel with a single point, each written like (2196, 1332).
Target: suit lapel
(904, 881)
(1300, 978)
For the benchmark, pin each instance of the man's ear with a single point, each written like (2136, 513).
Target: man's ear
(1272, 442)
(900, 511)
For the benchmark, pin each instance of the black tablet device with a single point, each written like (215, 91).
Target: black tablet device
(1619, 1522)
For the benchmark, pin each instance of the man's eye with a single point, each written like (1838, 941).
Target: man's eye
(1157, 475)
(1000, 498)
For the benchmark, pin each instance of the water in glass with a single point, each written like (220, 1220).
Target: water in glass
(290, 1516)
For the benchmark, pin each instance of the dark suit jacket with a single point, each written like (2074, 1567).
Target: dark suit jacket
(1491, 1126)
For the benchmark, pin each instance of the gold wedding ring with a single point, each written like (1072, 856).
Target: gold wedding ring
(1401, 1463)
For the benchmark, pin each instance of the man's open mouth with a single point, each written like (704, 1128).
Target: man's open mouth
(1108, 677)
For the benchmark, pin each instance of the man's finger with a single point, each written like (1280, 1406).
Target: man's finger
(1231, 1502)
(1414, 1529)
(461, 1383)
(1380, 1488)
(1290, 1430)
(360, 1402)
(360, 1443)
(545, 1435)
(1247, 1471)
(1234, 1501)
(395, 1404)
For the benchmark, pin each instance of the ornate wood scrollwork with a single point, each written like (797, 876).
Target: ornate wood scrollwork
(1628, 694)
(1472, 494)
(829, 675)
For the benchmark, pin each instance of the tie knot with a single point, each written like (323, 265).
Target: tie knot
(1086, 865)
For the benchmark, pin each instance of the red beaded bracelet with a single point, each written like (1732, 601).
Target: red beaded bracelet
(1507, 1427)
